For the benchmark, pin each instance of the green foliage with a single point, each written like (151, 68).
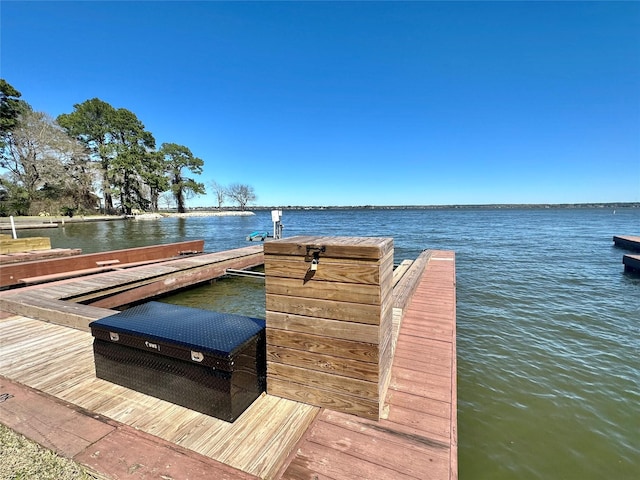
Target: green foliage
(118, 141)
(132, 145)
(46, 164)
(10, 108)
(52, 165)
(51, 192)
(90, 123)
(67, 211)
(14, 199)
(176, 158)
(154, 176)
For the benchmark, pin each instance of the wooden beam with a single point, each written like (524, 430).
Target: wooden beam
(63, 313)
(406, 286)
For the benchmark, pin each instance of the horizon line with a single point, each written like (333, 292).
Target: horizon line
(634, 204)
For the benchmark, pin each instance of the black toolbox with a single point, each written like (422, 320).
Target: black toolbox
(207, 361)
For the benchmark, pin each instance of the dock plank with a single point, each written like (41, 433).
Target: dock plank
(403, 459)
(319, 462)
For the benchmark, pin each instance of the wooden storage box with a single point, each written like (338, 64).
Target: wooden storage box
(329, 325)
(210, 362)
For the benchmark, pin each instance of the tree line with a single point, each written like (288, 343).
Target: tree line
(95, 158)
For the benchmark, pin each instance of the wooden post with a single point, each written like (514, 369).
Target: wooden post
(329, 321)
(13, 228)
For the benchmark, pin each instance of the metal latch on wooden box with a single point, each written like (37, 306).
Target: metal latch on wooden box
(313, 256)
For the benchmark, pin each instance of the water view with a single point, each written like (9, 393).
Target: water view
(548, 323)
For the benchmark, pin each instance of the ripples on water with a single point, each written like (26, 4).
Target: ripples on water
(548, 324)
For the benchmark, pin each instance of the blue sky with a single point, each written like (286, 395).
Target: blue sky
(357, 103)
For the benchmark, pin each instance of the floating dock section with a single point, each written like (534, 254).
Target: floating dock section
(631, 262)
(629, 242)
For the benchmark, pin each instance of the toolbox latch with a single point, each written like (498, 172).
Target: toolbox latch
(196, 356)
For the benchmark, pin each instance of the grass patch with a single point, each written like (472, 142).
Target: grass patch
(23, 459)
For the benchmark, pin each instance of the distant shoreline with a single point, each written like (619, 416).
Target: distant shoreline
(198, 213)
(212, 212)
(444, 207)
(36, 222)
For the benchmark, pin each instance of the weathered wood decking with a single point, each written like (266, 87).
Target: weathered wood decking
(37, 223)
(59, 361)
(417, 439)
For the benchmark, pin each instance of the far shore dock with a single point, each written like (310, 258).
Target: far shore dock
(53, 396)
(38, 222)
(34, 223)
(630, 261)
(629, 242)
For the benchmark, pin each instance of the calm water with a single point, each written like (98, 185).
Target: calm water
(548, 323)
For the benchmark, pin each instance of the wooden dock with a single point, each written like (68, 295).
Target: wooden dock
(75, 302)
(631, 263)
(629, 242)
(66, 371)
(37, 222)
(51, 269)
(275, 437)
(4, 226)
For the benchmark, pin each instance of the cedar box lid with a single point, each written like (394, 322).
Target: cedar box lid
(363, 248)
(217, 333)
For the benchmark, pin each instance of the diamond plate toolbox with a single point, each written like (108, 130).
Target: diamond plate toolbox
(207, 361)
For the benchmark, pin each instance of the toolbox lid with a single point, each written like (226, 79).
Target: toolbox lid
(193, 328)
